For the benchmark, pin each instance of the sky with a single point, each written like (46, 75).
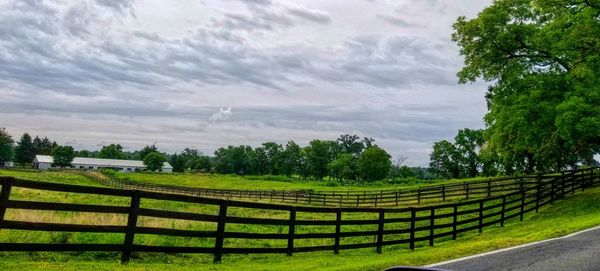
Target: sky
(205, 74)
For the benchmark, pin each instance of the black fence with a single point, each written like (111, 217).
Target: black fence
(387, 226)
(377, 198)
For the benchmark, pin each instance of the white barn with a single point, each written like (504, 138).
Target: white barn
(44, 162)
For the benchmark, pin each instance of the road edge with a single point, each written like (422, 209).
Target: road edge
(512, 248)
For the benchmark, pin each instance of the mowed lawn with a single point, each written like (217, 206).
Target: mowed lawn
(574, 213)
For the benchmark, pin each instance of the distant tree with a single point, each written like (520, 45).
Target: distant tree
(154, 161)
(24, 151)
(468, 145)
(317, 158)
(6, 147)
(177, 161)
(112, 151)
(260, 161)
(274, 157)
(83, 153)
(343, 167)
(147, 150)
(368, 142)
(43, 146)
(291, 156)
(351, 144)
(444, 160)
(63, 156)
(200, 163)
(374, 164)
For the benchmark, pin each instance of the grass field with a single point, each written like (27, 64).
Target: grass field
(575, 213)
(217, 181)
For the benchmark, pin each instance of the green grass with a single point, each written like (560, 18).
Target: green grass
(575, 213)
(218, 181)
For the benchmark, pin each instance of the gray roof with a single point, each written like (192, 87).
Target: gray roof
(99, 162)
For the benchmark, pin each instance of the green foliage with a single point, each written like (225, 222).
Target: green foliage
(147, 150)
(374, 164)
(6, 147)
(24, 151)
(63, 156)
(343, 167)
(317, 157)
(154, 161)
(444, 160)
(112, 151)
(43, 146)
(542, 58)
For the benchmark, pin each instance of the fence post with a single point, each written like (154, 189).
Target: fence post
(552, 188)
(489, 188)
(221, 231)
(454, 221)
(443, 192)
(481, 216)
(431, 225)
(562, 186)
(522, 205)
(413, 217)
(502, 213)
(396, 198)
(380, 230)
(338, 229)
(291, 231)
(131, 224)
(467, 190)
(419, 196)
(538, 192)
(4, 195)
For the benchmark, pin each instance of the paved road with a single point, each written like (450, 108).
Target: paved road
(579, 252)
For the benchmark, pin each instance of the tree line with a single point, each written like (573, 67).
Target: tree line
(347, 158)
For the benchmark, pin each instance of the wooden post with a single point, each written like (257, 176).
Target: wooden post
(562, 186)
(522, 206)
(4, 195)
(538, 193)
(431, 225)
(552, 191)
(467, 191)
(396, 198)
(480, 216)
(375, 200)
(454, 221)
(380, 230)
(419, 196)
(338, 230)
(291, 231)
(489, 188)
(502, 213)
(131, 224)
(357, 200)
(221, 232)
(443, 192)
(413, 217)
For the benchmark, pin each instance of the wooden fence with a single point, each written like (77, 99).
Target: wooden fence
(377, 198)
(410, 226)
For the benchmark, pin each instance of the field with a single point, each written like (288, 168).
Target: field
(268, 182)
(578, 212)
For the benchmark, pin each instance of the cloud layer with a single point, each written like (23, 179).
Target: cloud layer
(207, 74)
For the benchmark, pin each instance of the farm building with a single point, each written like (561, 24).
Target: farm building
(44, 162)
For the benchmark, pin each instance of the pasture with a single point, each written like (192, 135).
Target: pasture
(577, 212)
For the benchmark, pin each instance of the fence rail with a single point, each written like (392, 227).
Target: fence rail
(394, 226)
(379, 198)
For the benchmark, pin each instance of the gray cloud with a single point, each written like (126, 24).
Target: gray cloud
(97, 70)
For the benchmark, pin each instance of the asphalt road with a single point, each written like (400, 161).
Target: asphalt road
(578, 252)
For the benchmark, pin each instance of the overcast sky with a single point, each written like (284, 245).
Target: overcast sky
(205, 74)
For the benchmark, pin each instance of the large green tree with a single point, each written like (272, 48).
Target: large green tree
(444, 160)
(542, 59)
(6, 147)
(374, 164)
(62, 156)
(154, 161)
(468, 145)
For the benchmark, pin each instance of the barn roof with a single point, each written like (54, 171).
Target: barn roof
(99, 162)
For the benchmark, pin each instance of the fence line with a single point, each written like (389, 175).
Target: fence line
(379, 198)
(423, 224)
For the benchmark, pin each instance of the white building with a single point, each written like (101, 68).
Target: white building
(44, 162)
